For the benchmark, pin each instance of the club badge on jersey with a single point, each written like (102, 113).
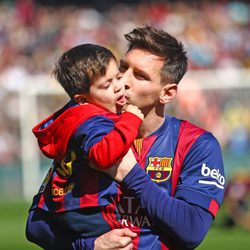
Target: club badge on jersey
(159, 168)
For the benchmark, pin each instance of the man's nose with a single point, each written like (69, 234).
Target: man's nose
(127, 85)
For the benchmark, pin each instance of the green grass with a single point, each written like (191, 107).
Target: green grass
(13, 218)
(226, 239)
(12, 227)
(222, 237)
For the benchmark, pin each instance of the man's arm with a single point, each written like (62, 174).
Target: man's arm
(185, 223)
(180, 217)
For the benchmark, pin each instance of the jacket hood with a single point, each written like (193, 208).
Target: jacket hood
(54, 132)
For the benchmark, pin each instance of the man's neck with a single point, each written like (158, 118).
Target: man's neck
(150, 124)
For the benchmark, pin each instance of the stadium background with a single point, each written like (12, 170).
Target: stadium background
(214, 94)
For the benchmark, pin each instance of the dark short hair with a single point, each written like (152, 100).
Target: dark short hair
(162, 44)
(77, 68)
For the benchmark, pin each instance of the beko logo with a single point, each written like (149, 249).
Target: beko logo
(219, 179)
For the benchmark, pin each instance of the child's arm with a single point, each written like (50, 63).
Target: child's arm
(116, 143)
(104, 141)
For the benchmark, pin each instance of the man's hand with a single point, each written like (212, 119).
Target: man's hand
(116, 239)
(122, 168)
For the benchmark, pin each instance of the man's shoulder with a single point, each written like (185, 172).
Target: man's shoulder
(190, 128)
(184, 126)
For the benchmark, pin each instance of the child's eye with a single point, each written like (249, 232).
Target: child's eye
(106, 86)
(119, 76)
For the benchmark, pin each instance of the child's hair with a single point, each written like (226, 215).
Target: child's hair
(77, 68)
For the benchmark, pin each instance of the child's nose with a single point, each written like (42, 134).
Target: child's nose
(125, 79)
(118, 86)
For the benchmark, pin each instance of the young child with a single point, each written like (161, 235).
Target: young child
(90, 129)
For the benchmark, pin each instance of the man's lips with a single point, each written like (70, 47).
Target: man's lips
(121, 101)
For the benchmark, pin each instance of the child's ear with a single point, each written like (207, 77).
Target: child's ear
(168, 93)
(80, 98)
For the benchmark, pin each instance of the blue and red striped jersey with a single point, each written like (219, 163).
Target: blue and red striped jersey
(178, 165)
(76, 136)
(180, 160)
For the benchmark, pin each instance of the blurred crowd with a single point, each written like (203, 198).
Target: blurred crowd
(216, 34)
(32, 36)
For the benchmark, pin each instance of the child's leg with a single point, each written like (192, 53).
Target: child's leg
(41, 231)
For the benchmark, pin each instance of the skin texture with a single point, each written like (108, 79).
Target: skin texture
(117, 239)
(109, 92)
(106, 90)
(143, 87)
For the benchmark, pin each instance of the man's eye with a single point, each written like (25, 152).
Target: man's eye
(140, 76)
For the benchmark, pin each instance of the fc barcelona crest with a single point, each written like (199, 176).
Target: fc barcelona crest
(159, 168)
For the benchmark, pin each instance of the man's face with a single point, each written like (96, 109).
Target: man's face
(141, 75)
(108, 91)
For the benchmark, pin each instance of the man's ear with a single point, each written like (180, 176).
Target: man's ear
(168, 93)
(80, 98)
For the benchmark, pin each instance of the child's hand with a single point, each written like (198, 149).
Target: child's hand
(134, 110)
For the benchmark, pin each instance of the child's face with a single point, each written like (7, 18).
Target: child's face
(108, 91)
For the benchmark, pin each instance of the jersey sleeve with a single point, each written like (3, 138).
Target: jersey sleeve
(104, 141)
(202, 179)
(184, 223)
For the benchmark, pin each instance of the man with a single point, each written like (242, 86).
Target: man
(173, 183)
(171, 196)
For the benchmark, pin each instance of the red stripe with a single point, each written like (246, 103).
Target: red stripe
(41, 201)
(187, 136)
(58, 184)
(108, 212)
(111, 214)
(164, 247)
(104, 215)
(110, 217)
(46, 193)
(213, 207)
(116, 199)
(136, 239)
(89, 187)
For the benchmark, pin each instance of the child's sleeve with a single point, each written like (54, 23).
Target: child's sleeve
(105, 141)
